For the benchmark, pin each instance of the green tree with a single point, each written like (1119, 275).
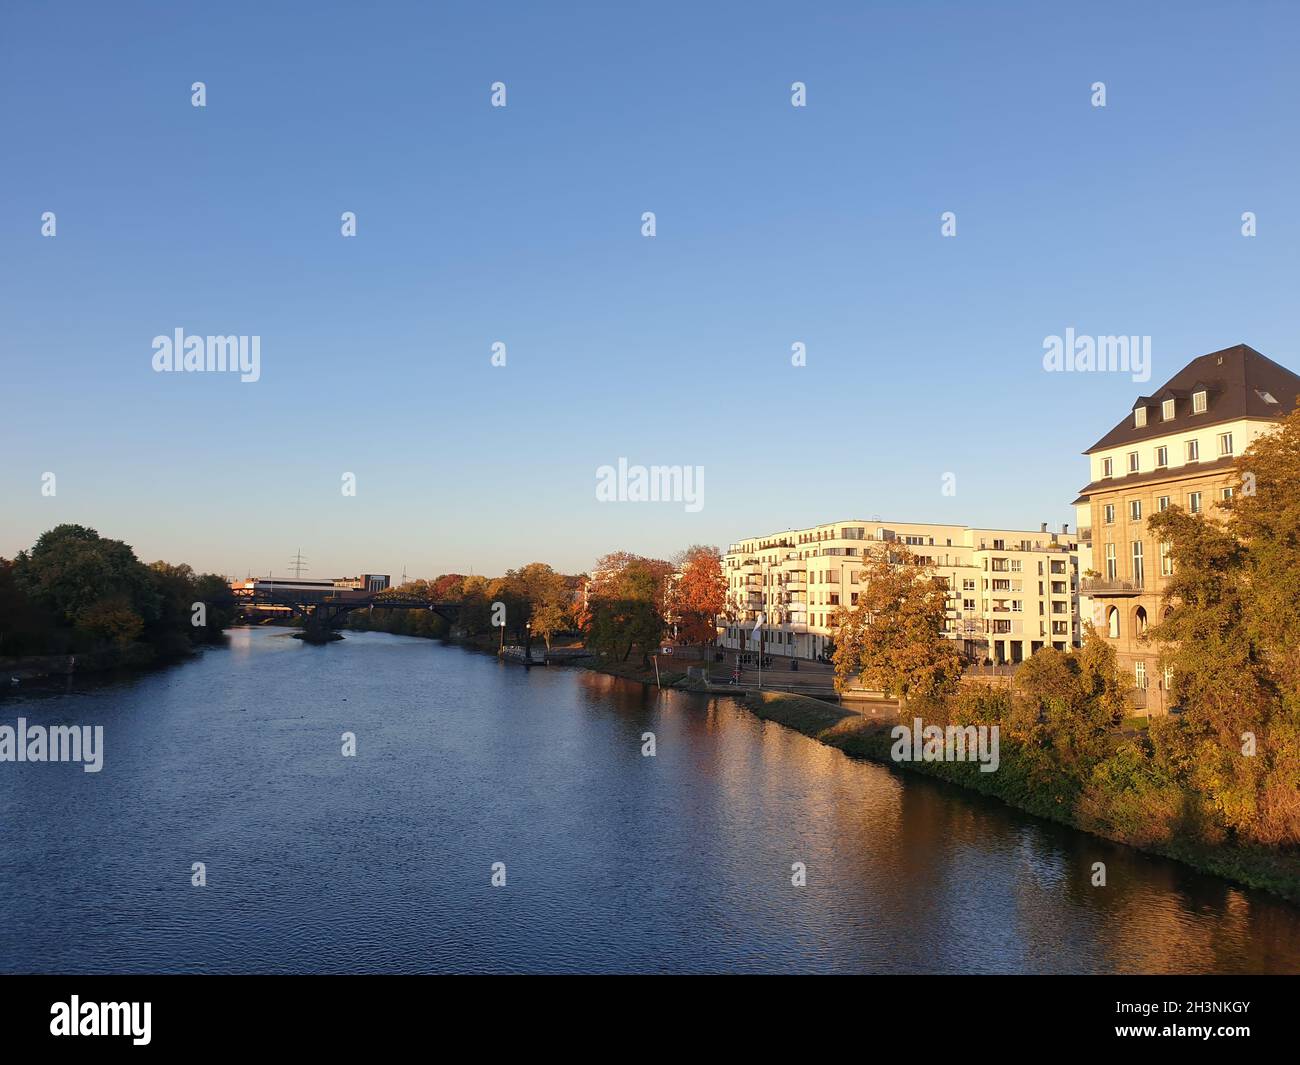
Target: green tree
(624, 606)
(72, 569)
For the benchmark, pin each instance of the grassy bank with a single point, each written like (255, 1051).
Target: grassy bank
(867, 737)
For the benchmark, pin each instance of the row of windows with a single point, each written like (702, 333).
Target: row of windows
(1169, 408)
(1194, 504)
(1191, 451)
(1139, 568)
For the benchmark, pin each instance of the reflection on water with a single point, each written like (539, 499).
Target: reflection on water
(615, 862)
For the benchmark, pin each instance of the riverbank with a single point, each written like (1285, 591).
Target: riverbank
(867, 737)
(133, 656)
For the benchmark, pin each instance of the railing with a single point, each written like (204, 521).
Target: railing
(1106, 586)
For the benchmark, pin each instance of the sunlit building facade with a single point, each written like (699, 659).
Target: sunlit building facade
(1010, 592)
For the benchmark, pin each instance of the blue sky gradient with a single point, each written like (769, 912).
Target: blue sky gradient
(478, 224)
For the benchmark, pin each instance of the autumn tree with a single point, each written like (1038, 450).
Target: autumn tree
(893, 638)
(699, 594)
(1231, 637)
(547, 596)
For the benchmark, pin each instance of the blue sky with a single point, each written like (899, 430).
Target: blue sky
(522, 224)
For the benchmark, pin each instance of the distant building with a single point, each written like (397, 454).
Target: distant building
(1175, 447)
(309, 586)
(1010, 592)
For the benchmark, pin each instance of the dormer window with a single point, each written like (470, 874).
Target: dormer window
(1167, 410)
(1108, 467)
(1198, 402)
(1139, 417)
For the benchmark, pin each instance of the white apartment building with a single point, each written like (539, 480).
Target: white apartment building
(1010, 592)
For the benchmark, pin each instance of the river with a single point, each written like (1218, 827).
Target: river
(613, 861)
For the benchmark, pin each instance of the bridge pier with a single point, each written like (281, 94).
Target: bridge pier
(321, 624)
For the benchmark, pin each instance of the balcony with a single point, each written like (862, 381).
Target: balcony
(795, 584)
(1105, 586)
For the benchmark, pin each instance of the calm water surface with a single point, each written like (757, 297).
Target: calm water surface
(615, 862)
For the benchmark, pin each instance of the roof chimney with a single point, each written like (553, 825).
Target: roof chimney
(1043, 527)
(1065, 527)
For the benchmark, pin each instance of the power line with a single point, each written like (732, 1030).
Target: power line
(298, 564)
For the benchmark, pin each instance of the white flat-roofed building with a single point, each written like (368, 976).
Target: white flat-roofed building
(1010, 592)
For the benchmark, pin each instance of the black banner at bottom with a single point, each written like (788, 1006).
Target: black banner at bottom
(341, 1013)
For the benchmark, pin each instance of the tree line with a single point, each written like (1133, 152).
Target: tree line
(75, 592)
(628, 603)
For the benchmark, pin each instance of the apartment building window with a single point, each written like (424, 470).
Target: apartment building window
(1167, 410)
(1111, 565)
(1166, 561)
(1135, 510)
(1015, 565)
(1193, 451)
(1108, 467)
(1198, 402)
(1140, 676)
(1194, 502)
(1140, 417)
(1110, 513)
(1133, 462)
(968, 604)
(1227, 493)
(1225, 444)
(1169, 679)
(1138, 573)
(999, 545)
(1162, 456)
